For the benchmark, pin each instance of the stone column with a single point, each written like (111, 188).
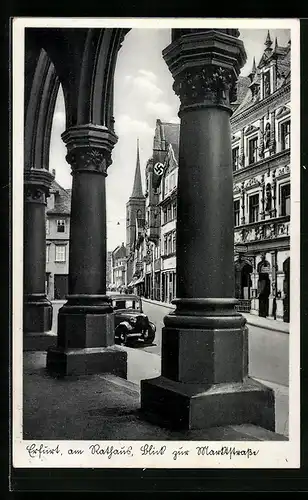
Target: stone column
(37, 316)
(85, 322)
(204, 380)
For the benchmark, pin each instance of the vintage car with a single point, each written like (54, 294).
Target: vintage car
(131, 324)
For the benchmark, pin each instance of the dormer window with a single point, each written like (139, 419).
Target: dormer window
(266, 84)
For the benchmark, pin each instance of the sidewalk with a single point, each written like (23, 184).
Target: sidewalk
(105, 407)
(252, 319)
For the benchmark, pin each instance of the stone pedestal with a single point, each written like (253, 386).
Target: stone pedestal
(37, 315)
(204, 379)
(85, 322)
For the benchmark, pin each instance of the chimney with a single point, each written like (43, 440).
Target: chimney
(53, 172)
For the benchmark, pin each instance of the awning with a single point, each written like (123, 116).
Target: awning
(139, 280)
(132, 282)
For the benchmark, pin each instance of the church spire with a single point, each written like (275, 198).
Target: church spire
(137, 188)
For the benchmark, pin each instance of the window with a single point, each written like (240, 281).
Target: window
(47, 226)
(253, 150)
(47, 253)
(285, 199)
(61, 226)
(60, 253)
(266, 84)
(165, 246)
(169, 213)
(235, 158)
(285, 135)
(174, 210)
(237, 213)
(174, 242)
(169, 243)
(254, 208)
(165, 216)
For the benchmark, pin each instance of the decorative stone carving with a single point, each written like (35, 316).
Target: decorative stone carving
(250, 129)
(283, 171)
(268, 199)
(208, 83)
(259, 232)
(272, 232)
(89, 159)
(34, 194)
(236, 189)
(283, 229)
(284, 110)
(37, 183)
(252, 183)
(267, 135)
(261, 138)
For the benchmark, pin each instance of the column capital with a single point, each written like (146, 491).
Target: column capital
(89, 148)
(37, 182)
(205, 65)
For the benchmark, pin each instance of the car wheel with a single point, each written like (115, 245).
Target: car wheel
(122, 336)
(148, 335)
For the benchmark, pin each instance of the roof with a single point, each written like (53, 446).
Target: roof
(62, 196)
(245, 84)
(171, 134)
(119, 252)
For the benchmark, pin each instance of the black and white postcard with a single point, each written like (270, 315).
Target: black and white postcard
(155, 243)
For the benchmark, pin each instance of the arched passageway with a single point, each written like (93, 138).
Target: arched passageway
(204, 340)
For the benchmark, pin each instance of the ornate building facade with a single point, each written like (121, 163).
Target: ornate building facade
(260, 128)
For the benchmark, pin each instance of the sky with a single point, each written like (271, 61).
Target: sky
(142, 93)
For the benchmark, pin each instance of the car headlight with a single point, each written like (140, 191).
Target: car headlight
(133, 321)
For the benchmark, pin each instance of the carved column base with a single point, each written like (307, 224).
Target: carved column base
(204, 380)
(86, 339)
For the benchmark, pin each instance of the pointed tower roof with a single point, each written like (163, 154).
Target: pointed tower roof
(254, 68)
(253, 71)
(268, 42)
(137, 188)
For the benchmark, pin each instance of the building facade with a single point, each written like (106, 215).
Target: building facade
(109, 269)
(118, 269)
(57, 241)
(260, 127)
(165, 155)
